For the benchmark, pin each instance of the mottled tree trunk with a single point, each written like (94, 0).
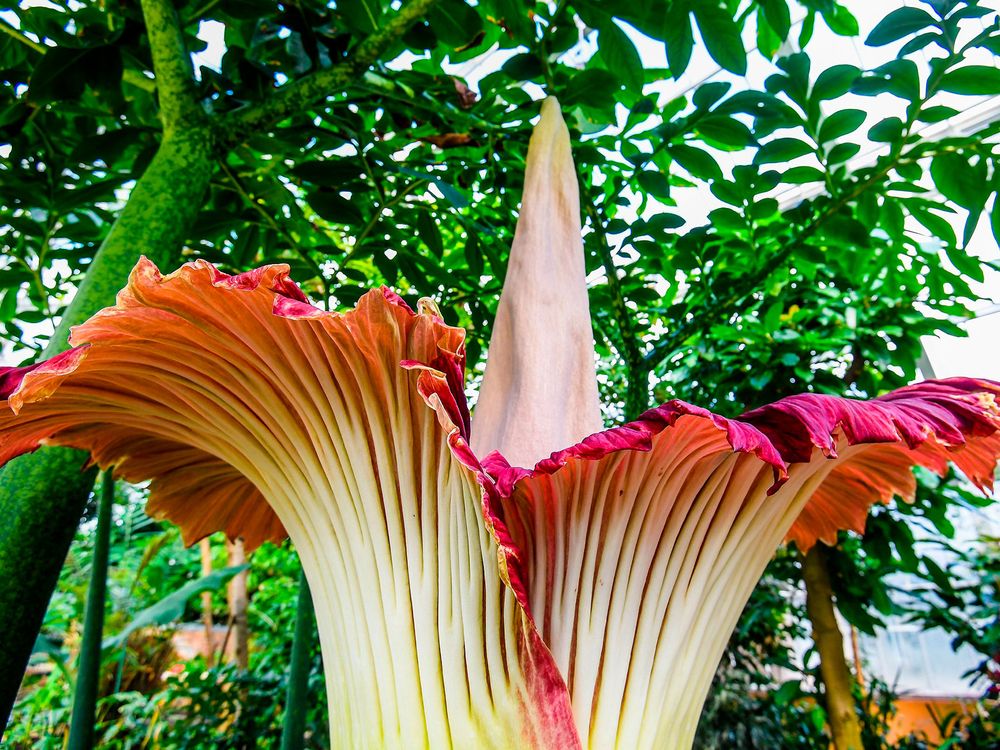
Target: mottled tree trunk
(238, 601)
(837, 680)
(205, 548)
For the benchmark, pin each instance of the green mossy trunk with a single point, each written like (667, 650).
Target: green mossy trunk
(42, 495)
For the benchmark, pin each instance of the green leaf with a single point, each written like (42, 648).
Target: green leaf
(515, 15)
(709, 93)
(938, 576)
(835, 81)
(361, 15)
(454, 22)
(921, 41)
(899, 23)
(620, 55)
(63, 74)
(523, 67)
(802, 175)
(782, 150)
(334, 207)
(699, 163)
(654, 183)
(959, 181)
(936, 113)
(897, 77)
(808, 27)
(171, 607)
(678, 37)
(972, 80)
(969, 266)
(886, 131)
(429, 232)
(840, 20)
(725, 131)
(594, 88)
(789, 358)
(778, 17)
(473, 254)
(995, 217)
(840, 123)
(727, 192)
(768, 42)
(722, 37)
(842, 152)
(938, 226)
(795, 82)
(8, 305)
(336, 173)
(662, 222)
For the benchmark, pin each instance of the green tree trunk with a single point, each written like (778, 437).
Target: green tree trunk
(42, 495)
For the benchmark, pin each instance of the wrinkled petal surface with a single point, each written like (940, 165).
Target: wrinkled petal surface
(928, 424)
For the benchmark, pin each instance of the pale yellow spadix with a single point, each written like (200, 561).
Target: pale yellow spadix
(539, 392)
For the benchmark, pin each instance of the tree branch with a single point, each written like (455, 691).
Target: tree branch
(299, 95)
(637, 388)
(172, 66)
(9, 29)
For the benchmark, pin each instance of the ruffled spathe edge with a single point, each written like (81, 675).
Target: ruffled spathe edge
(140, 305)
(929, 424)
(937, 421)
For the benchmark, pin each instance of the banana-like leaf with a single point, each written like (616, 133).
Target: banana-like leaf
(171, 607)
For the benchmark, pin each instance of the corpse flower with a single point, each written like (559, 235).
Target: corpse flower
(492, 593)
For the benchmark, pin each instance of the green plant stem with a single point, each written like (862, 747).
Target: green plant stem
(175, 84)
(297, 697)
(88, 673)
(14, 33)
(41, 499)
